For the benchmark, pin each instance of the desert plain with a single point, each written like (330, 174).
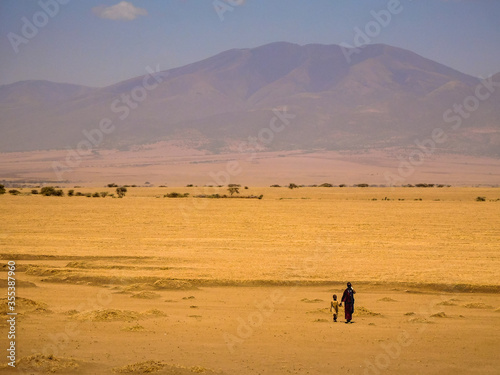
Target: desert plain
(149, 284)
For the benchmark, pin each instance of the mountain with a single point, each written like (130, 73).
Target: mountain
(385, 97)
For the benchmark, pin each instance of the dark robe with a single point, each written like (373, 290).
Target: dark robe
(348, 301)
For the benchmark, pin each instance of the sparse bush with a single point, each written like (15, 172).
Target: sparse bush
(34, 191)
(96, 195)
(71, 193)
(121, 191)
(233, 189)
(361, 185)
(88, 195)
(50, 190)
(342, 185)
(176, 195)
(246, 187)
(478, 199)
(189, 185)
(112, 185)
(275, 186)
(104, 194)
(2, 189)
(293, 186)
(79, 194)
(14, 192)
(326, 184)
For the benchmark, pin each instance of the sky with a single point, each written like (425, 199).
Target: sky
(99, 43)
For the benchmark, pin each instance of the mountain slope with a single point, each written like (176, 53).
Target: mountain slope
(385, 97)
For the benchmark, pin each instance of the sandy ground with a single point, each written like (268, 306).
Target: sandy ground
(257, 330)
(147, 284)
(166, 164)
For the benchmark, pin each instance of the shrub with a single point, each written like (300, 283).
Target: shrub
(50, 190)
(361, 185)
(478, 199)
(233, 189)
(14, 192)
(104, 194)
(293, 186)
(88, 195)
(189, 185)
(112, 185)
(79, 194)
(342, 185)
(96, 195)
(121, 191)
(71, 192)
(34, 191)
(326, 184)
(275, 186)
(176, 195)
(2, 189)
(246, 187)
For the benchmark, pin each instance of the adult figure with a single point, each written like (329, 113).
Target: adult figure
(348, 301)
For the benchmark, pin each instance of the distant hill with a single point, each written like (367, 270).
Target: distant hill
(386, 97)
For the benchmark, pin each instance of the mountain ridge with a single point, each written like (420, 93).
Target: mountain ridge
(386, 97)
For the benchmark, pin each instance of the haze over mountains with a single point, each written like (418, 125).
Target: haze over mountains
(385, 97)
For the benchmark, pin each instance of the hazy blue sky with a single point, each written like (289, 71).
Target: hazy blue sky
(99, 42)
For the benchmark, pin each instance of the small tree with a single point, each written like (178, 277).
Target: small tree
(121, 191)
(34, 191)
(293, 186)
(2, 189)
(233, 189)
(104, 194)
(71, 192)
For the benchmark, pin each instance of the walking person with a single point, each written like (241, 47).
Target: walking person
(334, 307)
(348, 301)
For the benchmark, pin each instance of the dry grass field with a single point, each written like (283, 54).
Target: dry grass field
(242, 286)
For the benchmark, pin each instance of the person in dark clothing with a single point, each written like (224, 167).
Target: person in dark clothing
(348, 301)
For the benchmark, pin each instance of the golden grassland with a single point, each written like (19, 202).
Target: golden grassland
(307, 234)
(147, 284)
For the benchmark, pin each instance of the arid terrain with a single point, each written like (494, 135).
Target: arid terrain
(148, 284)
(164, 163)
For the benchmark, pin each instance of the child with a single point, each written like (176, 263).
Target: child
(335, 306)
